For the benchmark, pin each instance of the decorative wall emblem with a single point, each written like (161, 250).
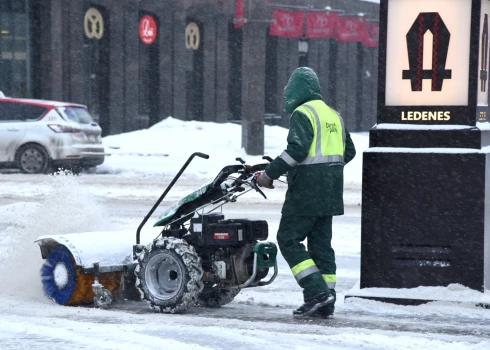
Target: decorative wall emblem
(440, 45)
(93, 24)
(428, 54)
(192, 36)
(148, 29)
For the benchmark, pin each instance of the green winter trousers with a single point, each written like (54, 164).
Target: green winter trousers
(314, 269)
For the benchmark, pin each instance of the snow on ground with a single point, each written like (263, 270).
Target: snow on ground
(118, 194)
(163, 149)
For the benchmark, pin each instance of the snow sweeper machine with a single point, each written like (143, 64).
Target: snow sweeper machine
(197, 258)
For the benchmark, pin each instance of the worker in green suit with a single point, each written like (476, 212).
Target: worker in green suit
(318, 148)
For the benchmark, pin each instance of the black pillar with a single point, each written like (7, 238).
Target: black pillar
(166, 70)
(130, 103)
(76, 52)
(253, 82)
(182, 63)
(209, 74)
(222, 68)
(426, 175)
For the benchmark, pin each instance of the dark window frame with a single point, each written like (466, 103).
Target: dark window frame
(21, 112)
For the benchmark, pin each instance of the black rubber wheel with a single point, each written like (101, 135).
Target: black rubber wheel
(169, 275)
(217, 297)
(32, 159)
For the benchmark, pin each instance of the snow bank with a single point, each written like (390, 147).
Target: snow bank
(454, 293)
(164, 148)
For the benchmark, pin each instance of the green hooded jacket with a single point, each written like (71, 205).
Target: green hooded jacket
(315, 189)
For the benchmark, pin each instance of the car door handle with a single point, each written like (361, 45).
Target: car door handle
(13, 129)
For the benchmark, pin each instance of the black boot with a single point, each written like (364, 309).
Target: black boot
(324, 312)
(328, 310)
(312, 305)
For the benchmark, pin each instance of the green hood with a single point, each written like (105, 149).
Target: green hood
(303, 86)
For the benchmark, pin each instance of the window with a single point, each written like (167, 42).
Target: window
(78, 114)
(14, 48)
(10, 111)
(33, 112)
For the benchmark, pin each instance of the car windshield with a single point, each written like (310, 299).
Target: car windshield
(78, 114)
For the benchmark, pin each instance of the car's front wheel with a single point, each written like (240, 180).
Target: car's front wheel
(32, 159)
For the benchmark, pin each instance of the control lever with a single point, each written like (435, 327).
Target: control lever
(240, 160)
(267, 158)
(253, 183)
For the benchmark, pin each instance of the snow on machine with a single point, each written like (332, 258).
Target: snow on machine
(198, 257)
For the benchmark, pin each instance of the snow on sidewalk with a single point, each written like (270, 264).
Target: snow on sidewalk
(164, 148)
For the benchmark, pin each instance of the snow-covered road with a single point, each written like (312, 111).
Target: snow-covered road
(30, 325)
(31, 206)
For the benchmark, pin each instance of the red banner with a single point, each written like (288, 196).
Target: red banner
(350, 29)
(372, 37)
(287, 24)
(239, 14)
(320, 25)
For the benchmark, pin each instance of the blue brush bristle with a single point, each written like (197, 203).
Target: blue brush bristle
(51, 290)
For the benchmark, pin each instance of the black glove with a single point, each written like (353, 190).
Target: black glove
(263, 180)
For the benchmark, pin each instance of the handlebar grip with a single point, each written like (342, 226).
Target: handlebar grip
(202, 155)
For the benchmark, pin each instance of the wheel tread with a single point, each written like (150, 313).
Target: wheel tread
(192, 262)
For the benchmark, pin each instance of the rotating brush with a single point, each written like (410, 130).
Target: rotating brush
(58, 275)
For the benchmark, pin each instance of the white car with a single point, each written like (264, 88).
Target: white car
(37, 135)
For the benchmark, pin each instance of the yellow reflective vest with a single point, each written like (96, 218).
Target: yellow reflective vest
(328, 144)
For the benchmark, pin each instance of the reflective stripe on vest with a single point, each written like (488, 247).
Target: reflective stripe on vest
(330, 280)
(303, 269)
(328, 144)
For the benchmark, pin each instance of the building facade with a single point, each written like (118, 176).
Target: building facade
(136, 62)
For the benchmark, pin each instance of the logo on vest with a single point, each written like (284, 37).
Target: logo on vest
(331, 127)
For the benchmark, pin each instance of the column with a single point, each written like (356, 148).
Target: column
(253, 78)
(222, 69)
(210, 71)
(76, 74)
(116, 96)
(131, 67)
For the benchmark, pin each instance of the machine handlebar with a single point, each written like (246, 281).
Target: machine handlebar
(199, 154)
